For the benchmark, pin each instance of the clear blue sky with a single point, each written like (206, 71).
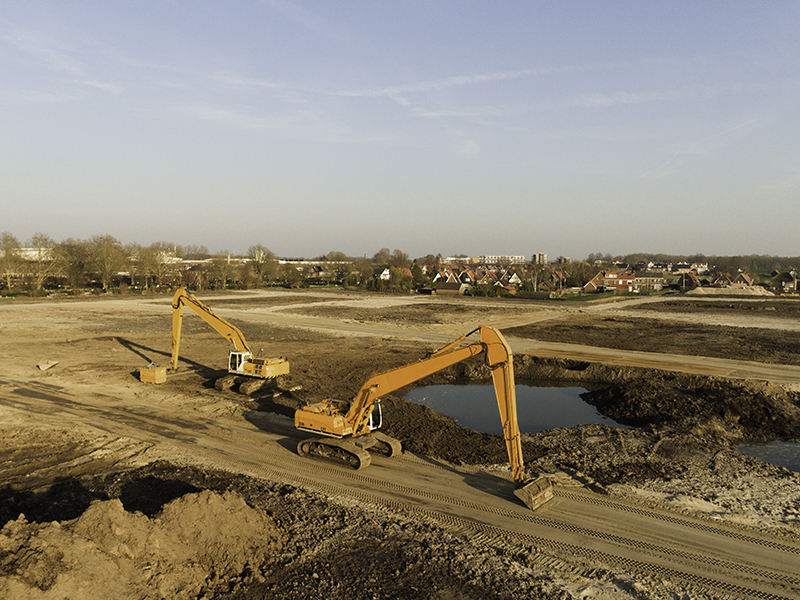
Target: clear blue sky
(431, 126)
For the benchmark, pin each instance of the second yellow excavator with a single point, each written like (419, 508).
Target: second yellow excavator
(348, 430)
(240, 360)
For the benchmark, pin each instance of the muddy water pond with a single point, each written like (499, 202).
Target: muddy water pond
(541, 405)
(783, 454)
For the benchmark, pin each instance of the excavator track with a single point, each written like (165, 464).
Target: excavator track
(386, 445)
(340, 450)
(225, 382)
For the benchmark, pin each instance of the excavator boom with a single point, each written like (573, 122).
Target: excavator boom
(184, 297)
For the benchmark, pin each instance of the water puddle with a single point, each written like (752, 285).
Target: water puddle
(540, 406)
(783, 454)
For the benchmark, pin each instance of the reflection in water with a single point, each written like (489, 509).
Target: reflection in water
(539, 406)
(783, 454)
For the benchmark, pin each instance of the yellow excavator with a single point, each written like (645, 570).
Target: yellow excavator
(240, 360)
(348, 430)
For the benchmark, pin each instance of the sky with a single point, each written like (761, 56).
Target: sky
(429, 126)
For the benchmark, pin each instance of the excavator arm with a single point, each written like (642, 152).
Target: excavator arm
(184, 297)
(498, 358)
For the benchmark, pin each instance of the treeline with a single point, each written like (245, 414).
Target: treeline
(753, 263)
(103, 263)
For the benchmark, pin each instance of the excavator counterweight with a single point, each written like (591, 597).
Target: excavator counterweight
(348, 430)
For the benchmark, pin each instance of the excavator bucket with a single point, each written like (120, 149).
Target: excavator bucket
(152, 373)
(535, 493)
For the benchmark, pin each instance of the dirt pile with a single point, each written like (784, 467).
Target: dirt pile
(200, 543)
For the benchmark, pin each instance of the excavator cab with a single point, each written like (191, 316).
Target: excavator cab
(376, 416)
(236, 361)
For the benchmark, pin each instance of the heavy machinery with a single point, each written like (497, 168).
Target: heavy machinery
(348, 429)
(240, 361)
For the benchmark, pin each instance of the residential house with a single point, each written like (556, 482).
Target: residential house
(556, 280)
(622, 282)
(648, 282)
(467, 276)
(452, 287)
(595, 284)
(488, 278)
(722, 280)
(784, 283)
(688, 281)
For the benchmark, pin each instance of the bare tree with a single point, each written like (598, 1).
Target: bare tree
(134, 262)
(42, 261)
(10, 260)
(107, 258)
(149, 265)
(264, 262)
(73, 261)
(193, 252)
(222, 268)
(161, 256)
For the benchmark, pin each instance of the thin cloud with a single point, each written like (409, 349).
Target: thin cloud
(35, 97)
(469, 148)
(313, 22)
(440, 84)
(300, 124)
(618, 98)
(697, 148)
(111, 88)
(44, 51)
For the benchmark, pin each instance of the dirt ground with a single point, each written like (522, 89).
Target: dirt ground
(161, 529)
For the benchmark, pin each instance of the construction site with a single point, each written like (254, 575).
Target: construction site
(259, 445)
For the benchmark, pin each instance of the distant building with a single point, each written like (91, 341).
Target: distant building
(539, 259)
(496, 259)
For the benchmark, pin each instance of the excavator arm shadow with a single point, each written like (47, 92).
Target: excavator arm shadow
(153, 356)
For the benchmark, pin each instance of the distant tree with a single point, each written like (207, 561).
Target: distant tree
(193, 252)
(375, 284)
(337, 256)
(291, 275)
(264, 262)
(247, 276)
(107, 258)
(536, 274)
(10, 260)
(43, 263)
(431, 262)
(360, 272)
(73, 261)
(580, 274)
(134, 263)
(399, 259)
(382, 256)
(148, 265)
(417, 274)
(162, 257)
(222, 271)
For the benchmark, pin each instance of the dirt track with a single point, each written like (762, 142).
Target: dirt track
(89, 418)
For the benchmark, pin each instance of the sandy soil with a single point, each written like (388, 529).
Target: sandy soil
(126, 520)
